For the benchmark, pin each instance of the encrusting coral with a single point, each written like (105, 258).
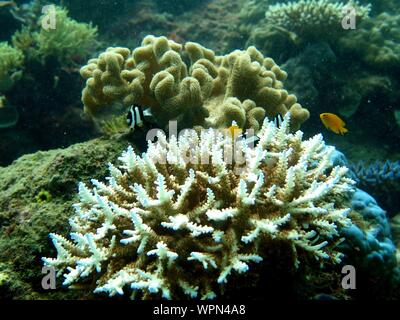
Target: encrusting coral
(194, 211)
(315, 18)
(210, 91)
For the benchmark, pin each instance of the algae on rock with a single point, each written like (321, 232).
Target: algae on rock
(25, 223)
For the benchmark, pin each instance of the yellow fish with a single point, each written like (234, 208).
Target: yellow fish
(333, 122)
(234, 131)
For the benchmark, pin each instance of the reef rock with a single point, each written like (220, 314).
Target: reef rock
(26, 222)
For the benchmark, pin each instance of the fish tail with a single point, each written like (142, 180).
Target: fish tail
(343, 131)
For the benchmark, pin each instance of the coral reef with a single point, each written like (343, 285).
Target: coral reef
(382, 180)
(369, 245)
(376, 41)
(11, 62)
(70, 42)
(370, 237)
(25, 224)
(353, 74)
(315, 19)
(47, 93)
(190, 213)
(211, 91)
(286, 27)
(376, 173)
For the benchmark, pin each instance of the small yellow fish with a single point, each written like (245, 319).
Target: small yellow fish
(234, 131)
(333, 122)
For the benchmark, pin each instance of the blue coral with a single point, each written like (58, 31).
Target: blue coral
(376, 172)
(373, 244)
(369, 244)
(382, 180)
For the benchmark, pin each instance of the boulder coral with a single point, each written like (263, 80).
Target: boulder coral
(192, 212)
(207, 90)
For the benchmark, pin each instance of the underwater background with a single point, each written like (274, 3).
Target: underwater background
(115, 223)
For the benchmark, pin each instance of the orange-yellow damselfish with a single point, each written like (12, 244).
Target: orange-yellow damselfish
(333, 122)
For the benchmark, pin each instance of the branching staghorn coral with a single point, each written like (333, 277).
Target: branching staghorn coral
(313, 18)
(210, 91)
(194, 211)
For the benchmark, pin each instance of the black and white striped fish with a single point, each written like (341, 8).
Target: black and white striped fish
(137, 118)
(278, 119)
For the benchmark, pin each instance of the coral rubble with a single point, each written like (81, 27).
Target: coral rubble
(192, 212)
(210, 91)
